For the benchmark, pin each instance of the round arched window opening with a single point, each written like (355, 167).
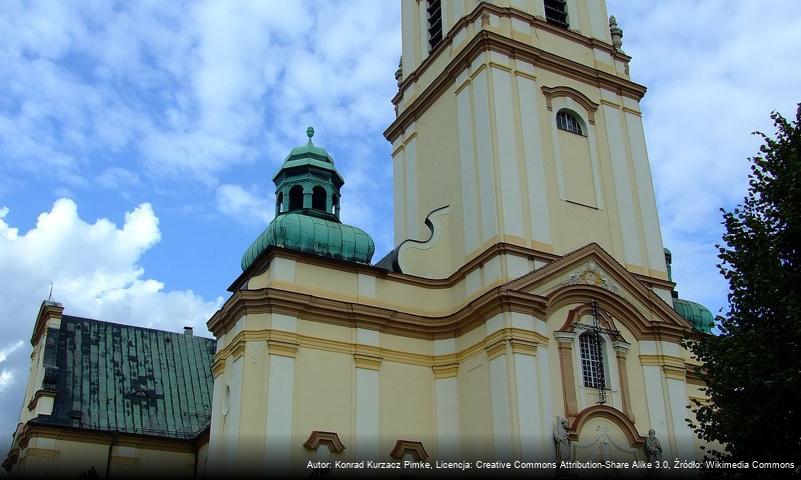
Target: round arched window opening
(296, 198)
(318, 198)
(279, 202)
(569, 122)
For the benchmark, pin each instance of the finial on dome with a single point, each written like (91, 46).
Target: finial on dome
(310, 133)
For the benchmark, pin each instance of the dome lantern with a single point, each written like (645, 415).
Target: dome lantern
(307, 207)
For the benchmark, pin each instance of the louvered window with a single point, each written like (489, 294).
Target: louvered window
(556, 12)
(568, 122)
(434, 23)
(592, 364)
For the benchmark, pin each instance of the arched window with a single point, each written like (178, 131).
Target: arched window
(318, 198)
(279, 203)
(592, 360)
(556, 12)
(295, 198)
(335, 205)
(568, 122)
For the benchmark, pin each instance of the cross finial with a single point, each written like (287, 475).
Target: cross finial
(310, 133)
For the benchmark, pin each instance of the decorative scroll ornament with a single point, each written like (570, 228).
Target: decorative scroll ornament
(591, 274)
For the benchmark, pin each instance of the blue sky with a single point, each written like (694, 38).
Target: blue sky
(138, 140)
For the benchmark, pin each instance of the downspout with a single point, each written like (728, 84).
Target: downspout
(114, 440)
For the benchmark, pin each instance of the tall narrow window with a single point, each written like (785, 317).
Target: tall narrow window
(434, 23)
(279, 203)
(592, 361)
(556, 12)
(568, 122)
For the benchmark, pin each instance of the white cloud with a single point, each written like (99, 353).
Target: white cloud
(95, 271)
(118, 178)
(245, 205)
(6, 351)
(714, 71)
(188, 89)
(6, 379)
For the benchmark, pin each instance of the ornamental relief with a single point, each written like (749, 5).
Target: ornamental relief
(591, 274)
(603, 441)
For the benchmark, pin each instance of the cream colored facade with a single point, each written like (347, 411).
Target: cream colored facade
(507, 230)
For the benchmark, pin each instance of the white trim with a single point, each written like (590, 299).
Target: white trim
(367, 414)
(467, 170)
(499, 390)
(280, 388)
(528, 406)
(447, 405)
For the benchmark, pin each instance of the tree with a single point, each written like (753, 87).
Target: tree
(752, 370)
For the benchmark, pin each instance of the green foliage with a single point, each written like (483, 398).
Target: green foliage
(753, 368)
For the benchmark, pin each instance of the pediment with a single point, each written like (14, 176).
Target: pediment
(592, 272)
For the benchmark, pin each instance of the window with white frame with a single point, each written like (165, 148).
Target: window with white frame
(592, 360)
(568, 122)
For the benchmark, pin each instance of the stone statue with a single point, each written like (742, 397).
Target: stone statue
(399, 72)
(616, 33)
(561, 440)
(653, 449)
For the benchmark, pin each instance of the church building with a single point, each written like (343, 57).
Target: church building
(527, 310)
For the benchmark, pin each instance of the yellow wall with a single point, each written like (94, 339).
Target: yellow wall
(76, 454)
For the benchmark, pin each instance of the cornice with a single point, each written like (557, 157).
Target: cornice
(371, 357)
(350, 314)
(508, 12)
(509, 297)
(486, 40)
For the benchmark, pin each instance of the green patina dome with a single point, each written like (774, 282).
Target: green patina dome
(307, 211)
(698, 315)
(314, 235)
(309, 155)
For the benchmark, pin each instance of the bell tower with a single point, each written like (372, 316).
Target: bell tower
(518, 128)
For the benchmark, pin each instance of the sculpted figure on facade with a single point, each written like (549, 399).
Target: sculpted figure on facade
(561, 440)
(653, 449)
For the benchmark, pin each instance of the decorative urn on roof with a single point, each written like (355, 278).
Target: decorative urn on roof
(307, 210)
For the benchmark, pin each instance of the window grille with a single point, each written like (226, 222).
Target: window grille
(569, 123)
(592, 365)
(556, 12)
(434, 23)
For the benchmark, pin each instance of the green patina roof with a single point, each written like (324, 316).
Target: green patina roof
(695, 313)
(309, 155)
(120, 378)
(312, 235)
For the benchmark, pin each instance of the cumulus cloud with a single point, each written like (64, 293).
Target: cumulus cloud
(95, 271)
(714, 72)
(245, 205)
